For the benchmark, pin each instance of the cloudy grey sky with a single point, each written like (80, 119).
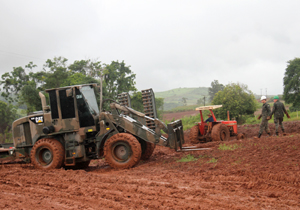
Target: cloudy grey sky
(167, 43)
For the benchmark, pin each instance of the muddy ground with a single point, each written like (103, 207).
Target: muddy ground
(249, 174)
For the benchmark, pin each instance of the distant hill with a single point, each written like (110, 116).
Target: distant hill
(173, 98)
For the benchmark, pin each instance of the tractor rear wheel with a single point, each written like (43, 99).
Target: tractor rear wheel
(194, 134)
(47, 153)
(122, 151)
(147, 149)
(220, 132)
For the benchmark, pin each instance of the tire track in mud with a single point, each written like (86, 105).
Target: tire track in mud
(119, 192)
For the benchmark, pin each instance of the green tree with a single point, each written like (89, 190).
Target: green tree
(118, 78)
(86, 67)
(13, 82)
(215, 87)
(79, 78)
(7, 116)
(29, 95)
(56, 72)
(159, 103)
(291, 83)
(184, 101)
(21, 86)
(137, 102)
(235, 98)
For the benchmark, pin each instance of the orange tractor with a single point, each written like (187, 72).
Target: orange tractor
(215, 130)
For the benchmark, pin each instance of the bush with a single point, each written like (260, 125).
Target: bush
(294, 108)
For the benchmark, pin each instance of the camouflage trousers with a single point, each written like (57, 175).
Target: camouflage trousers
(278, 121)
(264, 125)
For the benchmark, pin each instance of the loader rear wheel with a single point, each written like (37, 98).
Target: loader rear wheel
(194, 134)
(122, 151)
(47, 154)
(220, 132)
(147, 149)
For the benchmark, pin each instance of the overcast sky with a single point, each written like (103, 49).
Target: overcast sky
(168, 44)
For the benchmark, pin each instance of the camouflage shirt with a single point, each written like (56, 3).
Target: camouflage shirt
(278, 110)
(266, 110)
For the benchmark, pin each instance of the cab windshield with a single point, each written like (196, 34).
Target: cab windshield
(90, 99)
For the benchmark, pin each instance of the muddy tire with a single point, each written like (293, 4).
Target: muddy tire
(240, 136)
(194, 134)
(122, 151)
(147, 149)
(47, 153)
(220, 132)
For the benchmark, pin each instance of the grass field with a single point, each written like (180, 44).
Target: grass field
(173, 98)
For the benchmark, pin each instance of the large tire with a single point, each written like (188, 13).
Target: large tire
(47, 153)
(122, 151)
(220, 132)
(147, 149)
(194, 134)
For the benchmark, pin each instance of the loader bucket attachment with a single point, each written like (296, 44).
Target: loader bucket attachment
(176, 138)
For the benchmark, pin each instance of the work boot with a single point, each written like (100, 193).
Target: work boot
(269, 134)
(283, 132)
(277, 133)
(259, 135)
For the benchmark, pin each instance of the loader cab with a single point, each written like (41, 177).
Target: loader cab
(73, 107)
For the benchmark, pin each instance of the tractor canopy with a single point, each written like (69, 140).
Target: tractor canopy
(208, 107)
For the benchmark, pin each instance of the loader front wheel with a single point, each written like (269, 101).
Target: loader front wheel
(47, 153)
(147, 149)
(194, 134)
(122, 151)
(220, 132)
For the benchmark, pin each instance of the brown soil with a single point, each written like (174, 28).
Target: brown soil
(259, 174)
(179, 115)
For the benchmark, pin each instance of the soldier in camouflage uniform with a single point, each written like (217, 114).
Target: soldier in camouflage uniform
(265, 115)
(278, 111)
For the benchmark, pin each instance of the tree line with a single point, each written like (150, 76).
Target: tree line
(240, 101)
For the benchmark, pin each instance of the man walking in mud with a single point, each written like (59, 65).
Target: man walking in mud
(265, 115)
(278, 111)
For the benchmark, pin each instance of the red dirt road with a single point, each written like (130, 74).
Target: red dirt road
(257, 174)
